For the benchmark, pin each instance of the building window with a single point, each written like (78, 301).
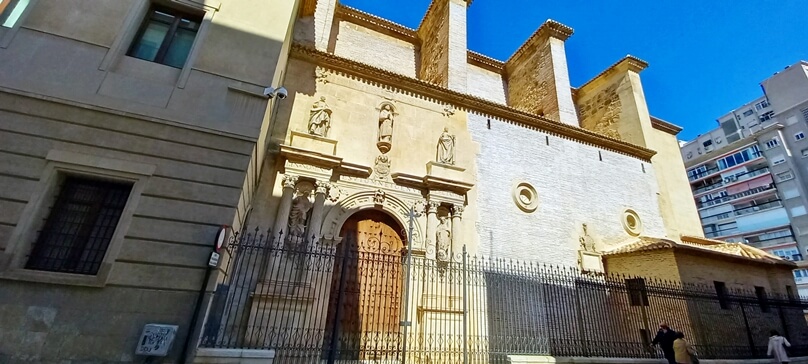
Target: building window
(748, 113)
(790, 294)
(799, 136)
(721, 292)
(785, 176)
(772, 143)
(637, 292)
(166, 37)
(80, 226)
(11, 10)
(761, 105)
(763, 299)
(778, 159)
(767, 116)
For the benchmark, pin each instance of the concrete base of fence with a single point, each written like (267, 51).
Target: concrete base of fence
(537, 359)
(233, 356)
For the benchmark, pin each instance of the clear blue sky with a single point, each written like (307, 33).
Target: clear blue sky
(706, 57)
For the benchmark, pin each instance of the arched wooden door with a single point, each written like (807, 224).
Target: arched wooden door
(364, 310)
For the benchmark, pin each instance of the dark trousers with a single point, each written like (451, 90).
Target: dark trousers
(670, 356)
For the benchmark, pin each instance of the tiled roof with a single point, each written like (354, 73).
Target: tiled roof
(702, 245)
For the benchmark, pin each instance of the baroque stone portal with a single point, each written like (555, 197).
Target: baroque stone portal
(320, 118)
(446, 148)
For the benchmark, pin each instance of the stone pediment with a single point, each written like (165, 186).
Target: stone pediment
(432, 182)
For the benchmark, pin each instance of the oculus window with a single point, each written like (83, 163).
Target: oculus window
(166, 36)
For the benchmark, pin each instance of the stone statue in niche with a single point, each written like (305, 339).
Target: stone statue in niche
(382, 166)
(587, 243)
(446, 148)
(320, 118)
(443, 238)
(299, 213)
(386, 115)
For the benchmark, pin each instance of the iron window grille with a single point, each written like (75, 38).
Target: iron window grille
(80, 225)
(166, 36)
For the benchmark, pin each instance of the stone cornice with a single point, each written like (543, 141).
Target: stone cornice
(376, 23)
(467, 102)
(627, 63)
(550, 28)
(484, 61)
(665, 126)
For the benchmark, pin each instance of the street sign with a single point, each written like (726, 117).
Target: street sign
(214, 259)
(221, 236)
(156, 340)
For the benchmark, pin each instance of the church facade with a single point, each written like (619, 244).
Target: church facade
(400, 156)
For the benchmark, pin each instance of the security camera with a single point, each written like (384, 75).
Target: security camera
(269, 91)
(282, 93)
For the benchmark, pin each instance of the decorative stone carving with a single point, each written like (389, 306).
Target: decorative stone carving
(386, 116)
(432, 207)
(443, 238)
(301, 205)
(446, 148)
(334, 193)
(448, 111)
(382, 167)
(289, 181)
(320, 118)
(378, 197)
(457, 210)
(587, 243)
(321, 75)
(322, 187)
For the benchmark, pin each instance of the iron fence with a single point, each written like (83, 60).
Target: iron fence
(344, 301)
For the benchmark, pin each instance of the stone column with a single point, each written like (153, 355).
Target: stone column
(316, 220)
(457, 242)
(282, 217)
(431, 225)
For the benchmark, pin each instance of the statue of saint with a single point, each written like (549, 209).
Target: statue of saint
(446, 148)
(443, 238)
(386, 124)
(320, 118)
(298, 216)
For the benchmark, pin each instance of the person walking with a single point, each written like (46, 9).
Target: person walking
(665, 338)
(683, 351)
(777, 347)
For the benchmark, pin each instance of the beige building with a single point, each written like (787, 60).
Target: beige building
(133, 130)
(130, 131)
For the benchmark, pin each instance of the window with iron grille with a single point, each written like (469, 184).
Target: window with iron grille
(763, 299)
(166, 37)
(80, 226)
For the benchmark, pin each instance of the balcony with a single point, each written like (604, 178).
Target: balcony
(765, 243)
(702, 174)
(718, 233)
(758, 208)
(733, 179)
(736, 196)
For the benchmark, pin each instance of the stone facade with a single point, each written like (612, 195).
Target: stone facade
(189, 139)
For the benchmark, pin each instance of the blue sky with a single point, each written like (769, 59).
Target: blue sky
(706, 57)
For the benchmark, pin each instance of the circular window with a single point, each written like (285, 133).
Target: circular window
(631, 222)
(525, 197)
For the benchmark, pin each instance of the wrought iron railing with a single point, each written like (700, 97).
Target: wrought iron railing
(314, 301)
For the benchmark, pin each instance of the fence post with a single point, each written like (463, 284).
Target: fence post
(340, 295)
(748, 330)
(465, 310)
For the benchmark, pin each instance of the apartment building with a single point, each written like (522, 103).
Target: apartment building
(748, 175)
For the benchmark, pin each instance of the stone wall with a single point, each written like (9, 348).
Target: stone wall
(576, 183)
(376, 49)
(486, 84)
(158, 270)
